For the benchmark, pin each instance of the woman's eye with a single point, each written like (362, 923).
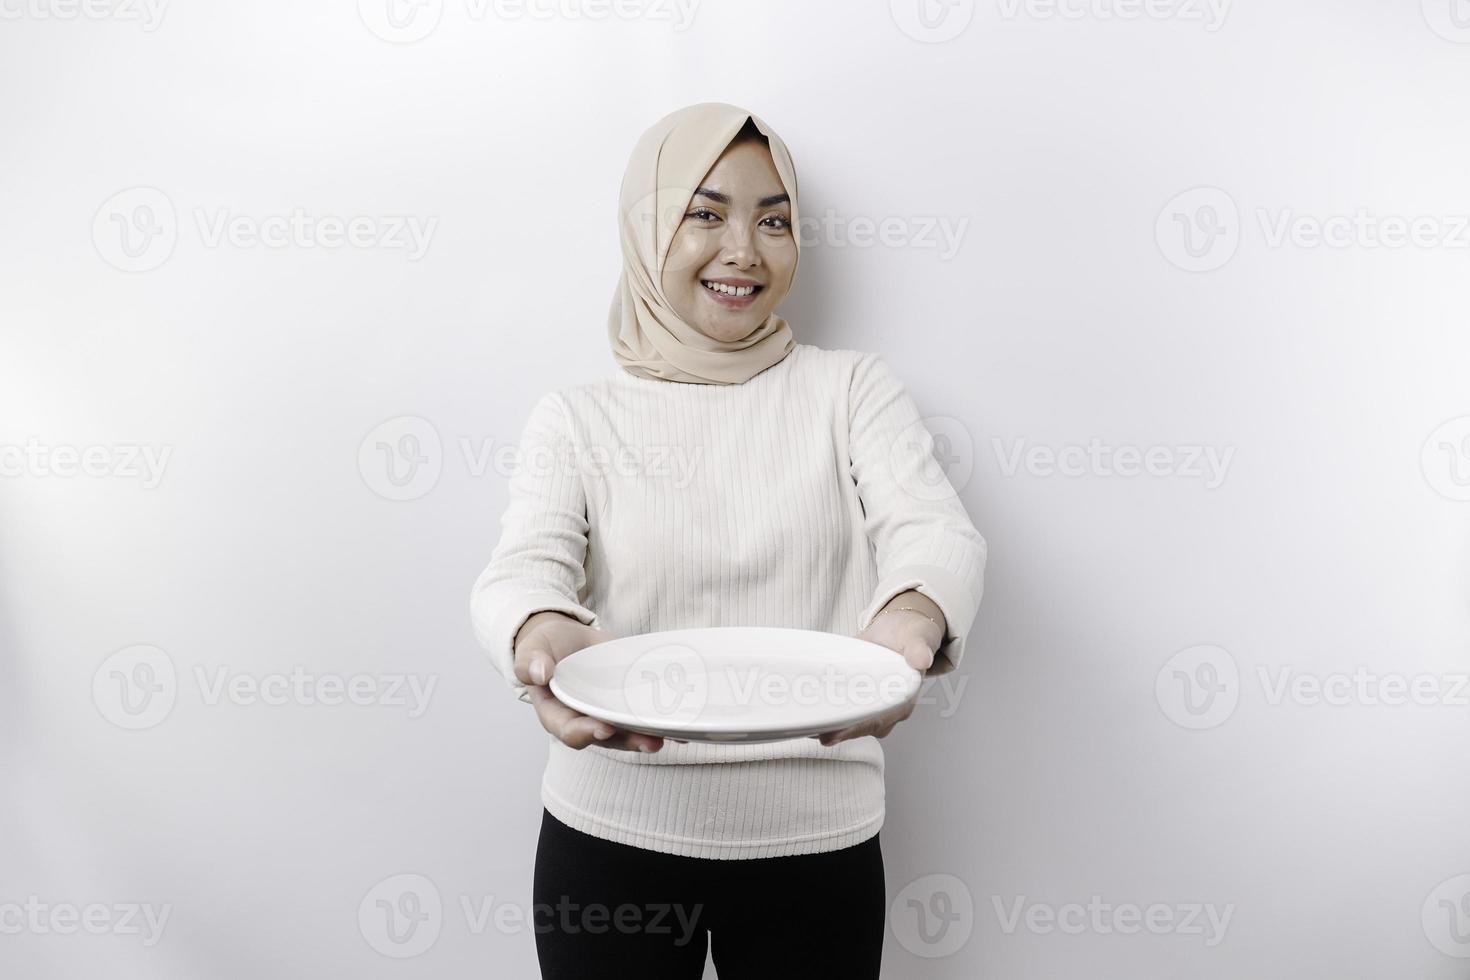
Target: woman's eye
(704, 214)
(781, 221)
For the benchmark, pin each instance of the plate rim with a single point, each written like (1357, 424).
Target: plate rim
(729, 733)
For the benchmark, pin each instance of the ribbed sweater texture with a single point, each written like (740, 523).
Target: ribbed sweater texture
(807, 496)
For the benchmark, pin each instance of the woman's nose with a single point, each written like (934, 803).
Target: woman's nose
(739, 245)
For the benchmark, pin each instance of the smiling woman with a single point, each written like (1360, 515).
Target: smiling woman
(733, 257)
(814, 501)
(699, 229)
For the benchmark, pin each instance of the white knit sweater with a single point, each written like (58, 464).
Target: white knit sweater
(806, 497)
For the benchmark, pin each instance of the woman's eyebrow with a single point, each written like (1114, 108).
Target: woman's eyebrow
(764, 202)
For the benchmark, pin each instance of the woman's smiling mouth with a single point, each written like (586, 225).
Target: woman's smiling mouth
(733, 293)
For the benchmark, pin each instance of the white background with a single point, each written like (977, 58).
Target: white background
(1077, 763)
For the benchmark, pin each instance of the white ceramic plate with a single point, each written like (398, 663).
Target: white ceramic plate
(734, 684)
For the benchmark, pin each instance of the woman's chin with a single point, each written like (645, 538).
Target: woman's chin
(729, 330)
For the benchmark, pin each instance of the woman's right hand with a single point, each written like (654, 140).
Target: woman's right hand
(543, 641)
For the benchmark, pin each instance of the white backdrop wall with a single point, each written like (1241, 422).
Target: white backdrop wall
(1182, 286)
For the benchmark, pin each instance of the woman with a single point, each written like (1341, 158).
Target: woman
(725, 475)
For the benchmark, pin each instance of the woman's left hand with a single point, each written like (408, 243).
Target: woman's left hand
(916, 638)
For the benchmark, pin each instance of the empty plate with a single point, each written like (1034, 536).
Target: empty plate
(734, 683)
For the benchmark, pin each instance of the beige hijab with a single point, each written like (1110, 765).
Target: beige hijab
(648, 338)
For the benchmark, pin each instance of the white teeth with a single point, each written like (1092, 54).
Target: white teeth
(720, 287)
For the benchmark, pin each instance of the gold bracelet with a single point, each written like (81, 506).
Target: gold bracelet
(919, 611)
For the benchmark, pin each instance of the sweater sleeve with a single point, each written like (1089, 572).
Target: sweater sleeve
(922, 536)
(537, 565)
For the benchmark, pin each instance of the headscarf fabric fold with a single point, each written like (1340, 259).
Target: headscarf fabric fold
(648, 337)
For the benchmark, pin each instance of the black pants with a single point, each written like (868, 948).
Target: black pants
(603, 909)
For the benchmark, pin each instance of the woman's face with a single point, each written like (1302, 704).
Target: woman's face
(737, 232)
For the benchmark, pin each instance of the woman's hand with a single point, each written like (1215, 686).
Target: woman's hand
(544, 640)
(916, 637)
